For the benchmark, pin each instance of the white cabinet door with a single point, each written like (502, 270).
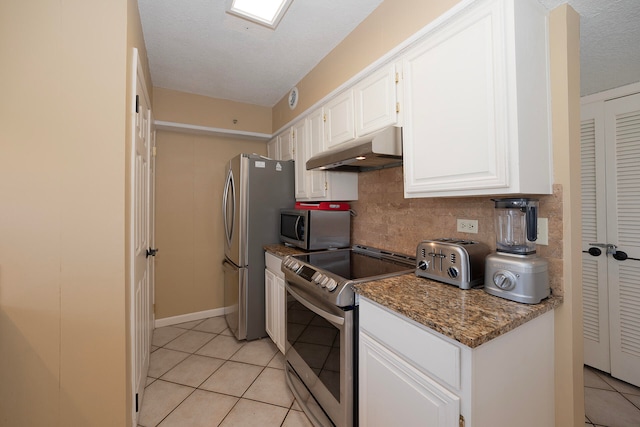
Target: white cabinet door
(340, 124)
(476, 114)
(375, 101)
(392, 392)
(274, 297)
(315, 144)
(302, 176)
(285, 145)
(279, 309)
(273, 149)
(270, 309)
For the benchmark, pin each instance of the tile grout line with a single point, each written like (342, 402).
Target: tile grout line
(289, 408)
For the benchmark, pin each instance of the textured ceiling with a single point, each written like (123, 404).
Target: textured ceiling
(609, 42)
(194, 46)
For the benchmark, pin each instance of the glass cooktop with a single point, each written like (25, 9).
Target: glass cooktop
(358, 262)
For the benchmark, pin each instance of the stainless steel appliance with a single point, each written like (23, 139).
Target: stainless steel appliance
(321, 326)
(516, 272)
(378, 150)
(314, 229)
(255, 191)
(454, 261)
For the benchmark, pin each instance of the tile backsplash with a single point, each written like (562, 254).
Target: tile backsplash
(385, 219)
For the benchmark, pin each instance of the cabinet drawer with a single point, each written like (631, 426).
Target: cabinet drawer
(274, 264)
(421, 347)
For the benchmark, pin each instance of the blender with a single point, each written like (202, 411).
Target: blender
(515, 271)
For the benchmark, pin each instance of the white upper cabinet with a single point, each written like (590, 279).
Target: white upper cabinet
(340, 125)
(317, 180)
(476, 100)
(302, 176)
(285, 145)
(308, 136)
(273, 149)
(376, 103)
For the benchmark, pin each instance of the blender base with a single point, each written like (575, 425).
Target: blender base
(520, 278)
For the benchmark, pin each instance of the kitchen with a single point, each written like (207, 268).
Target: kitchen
(381, 205)
(49, 317)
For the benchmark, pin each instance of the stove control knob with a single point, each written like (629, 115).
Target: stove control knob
(331, 285)
(452, 272)
(423, 265)
(286, 262)
(319, 278)
(505, 280)
(324, 282)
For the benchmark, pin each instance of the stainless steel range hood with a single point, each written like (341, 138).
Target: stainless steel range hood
(376, 151)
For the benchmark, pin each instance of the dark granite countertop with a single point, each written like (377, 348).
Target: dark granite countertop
(281, 250)
(471, 317)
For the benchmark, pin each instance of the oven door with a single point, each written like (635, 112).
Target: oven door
(320, 354)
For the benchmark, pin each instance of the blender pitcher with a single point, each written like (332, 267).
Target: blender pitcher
(516, 225)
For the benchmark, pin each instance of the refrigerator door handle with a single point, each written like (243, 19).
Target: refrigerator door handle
(229, 186)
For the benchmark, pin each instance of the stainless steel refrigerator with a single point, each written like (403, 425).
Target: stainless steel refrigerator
(255, 190)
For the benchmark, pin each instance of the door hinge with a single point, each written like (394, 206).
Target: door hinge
(154, 152)
(397, 107)
(397, 77)
(137, 103)
(461, 421)
(136, 402)
(326, 186)
(324, 118)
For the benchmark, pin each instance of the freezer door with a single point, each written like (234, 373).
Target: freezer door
(235, 291)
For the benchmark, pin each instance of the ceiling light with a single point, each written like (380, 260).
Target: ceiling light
(263, 12)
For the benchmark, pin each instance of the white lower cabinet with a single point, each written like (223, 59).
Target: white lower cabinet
(394, 392)
(274, 296)
(410, 375)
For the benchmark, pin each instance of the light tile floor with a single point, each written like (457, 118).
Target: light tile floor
(200, 375)
(609, 402)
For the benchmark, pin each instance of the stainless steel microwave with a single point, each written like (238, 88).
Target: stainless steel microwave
(313, 229)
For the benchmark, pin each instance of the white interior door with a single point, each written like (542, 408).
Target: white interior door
(622, 133)
(611, 216)
(595, 294)
(141, 309)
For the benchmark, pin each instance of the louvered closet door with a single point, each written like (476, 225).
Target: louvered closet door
(622, 135)
(595, 295)
(610, 143)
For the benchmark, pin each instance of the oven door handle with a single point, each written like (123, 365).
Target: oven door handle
(320, 312)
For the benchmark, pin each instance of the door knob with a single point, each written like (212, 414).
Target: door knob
(151, 252)
(620, 255)
(595, 251)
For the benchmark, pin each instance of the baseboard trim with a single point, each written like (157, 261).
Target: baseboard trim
(189, 317)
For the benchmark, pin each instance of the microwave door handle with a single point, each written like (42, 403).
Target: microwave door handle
(295, 227)
(320, 312)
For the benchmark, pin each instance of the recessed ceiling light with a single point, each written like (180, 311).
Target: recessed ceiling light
(263, 12)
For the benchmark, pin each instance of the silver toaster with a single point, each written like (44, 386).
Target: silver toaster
(456, 262)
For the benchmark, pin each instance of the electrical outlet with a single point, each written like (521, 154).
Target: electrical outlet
(468, 226)
(543, 231)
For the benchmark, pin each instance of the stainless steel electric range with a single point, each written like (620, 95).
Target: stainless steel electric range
(321, 326)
